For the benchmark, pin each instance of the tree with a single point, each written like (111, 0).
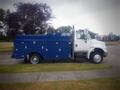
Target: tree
(51, 29)
(28, 17)
(3, 26)
(64, 29)
(2, 14)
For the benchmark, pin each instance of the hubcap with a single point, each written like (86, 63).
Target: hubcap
(34, 60)
(97, 58)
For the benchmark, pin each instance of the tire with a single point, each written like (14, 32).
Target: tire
(34, 59)
(97, 57)
(25, 60)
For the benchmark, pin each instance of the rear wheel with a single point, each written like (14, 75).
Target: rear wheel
(96, 57)
(34, 59)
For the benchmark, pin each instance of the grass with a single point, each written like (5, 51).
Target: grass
(94, 84)
(6, 46)
(45, 67)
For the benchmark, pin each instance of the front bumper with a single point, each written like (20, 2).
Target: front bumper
(105, 54)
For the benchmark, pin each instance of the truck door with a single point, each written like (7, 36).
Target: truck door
(81, 41)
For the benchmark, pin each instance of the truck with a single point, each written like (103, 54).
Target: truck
(59, 46)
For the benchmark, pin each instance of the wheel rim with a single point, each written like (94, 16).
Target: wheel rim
(97, 58)
(34, 60)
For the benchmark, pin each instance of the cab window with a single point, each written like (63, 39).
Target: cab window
(80, 34)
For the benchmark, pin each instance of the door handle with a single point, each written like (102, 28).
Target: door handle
(85, 41)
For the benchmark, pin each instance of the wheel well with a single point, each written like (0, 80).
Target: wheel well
(99, 50)
(35, 53)
(96, 50)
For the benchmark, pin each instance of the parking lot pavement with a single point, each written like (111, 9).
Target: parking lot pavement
(57, 76)
(5, 59)
(113, 57)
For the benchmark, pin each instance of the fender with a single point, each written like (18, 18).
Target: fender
(94, 48)
(89, 52)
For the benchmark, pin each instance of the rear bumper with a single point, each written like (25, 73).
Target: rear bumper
(17, 56)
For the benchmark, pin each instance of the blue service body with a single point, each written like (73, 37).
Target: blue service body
(49, 47)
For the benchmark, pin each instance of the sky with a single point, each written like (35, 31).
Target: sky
(99, 16)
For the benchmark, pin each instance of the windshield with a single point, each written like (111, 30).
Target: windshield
(92, 35)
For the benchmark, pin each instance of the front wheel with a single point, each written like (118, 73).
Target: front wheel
(34, 59)
(96, 57)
